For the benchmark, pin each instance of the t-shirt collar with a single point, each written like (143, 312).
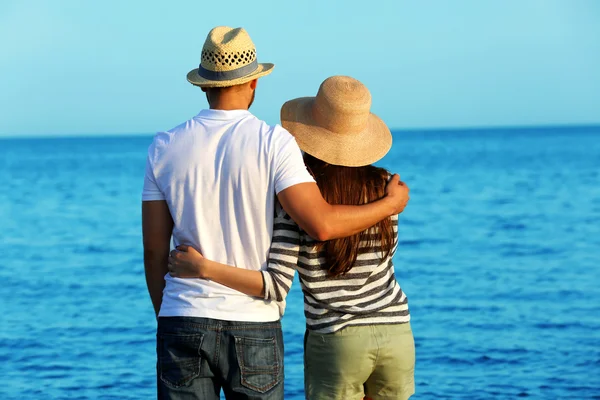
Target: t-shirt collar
(223, 114)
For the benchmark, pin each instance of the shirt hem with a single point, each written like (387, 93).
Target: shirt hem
(357, 323)
(150, 197)
(223, 315)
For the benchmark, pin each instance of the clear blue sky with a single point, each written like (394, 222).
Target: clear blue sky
(115, 66)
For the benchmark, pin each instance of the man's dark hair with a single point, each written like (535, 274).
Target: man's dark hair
(213, 91)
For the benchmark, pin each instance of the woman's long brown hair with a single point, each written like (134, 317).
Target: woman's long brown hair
(352, 186)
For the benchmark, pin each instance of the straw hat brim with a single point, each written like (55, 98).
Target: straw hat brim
(262, 70)
(346, 149)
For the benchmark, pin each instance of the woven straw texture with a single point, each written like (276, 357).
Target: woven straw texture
(225, 50)
(337, 126)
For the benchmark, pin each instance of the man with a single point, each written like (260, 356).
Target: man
(211, 183)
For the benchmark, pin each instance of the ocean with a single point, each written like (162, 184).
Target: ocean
(499, 255)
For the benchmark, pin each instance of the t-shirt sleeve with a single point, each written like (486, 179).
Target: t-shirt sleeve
(289, 165)
(151, 190)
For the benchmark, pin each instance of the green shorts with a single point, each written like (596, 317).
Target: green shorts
(376, 361)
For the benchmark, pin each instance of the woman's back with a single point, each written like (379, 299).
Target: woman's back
(367, 294)
(348, 281)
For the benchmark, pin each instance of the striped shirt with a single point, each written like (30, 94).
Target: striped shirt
(367, 294)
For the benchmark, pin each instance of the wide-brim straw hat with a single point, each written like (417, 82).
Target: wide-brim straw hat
(228, 59)
(337, 126)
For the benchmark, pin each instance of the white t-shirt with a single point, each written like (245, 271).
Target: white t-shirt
(219, 173)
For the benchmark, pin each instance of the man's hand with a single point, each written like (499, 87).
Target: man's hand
(396, 192)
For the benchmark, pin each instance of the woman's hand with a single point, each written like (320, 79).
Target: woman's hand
(187, 262)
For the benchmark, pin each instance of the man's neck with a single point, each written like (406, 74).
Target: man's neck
(228, 105)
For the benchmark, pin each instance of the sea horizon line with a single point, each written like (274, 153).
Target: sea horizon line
(450, 129)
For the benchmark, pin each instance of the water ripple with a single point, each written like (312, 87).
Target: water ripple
(500, 264)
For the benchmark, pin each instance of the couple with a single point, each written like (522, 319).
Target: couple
(246, 210)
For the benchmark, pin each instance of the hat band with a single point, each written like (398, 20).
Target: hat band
(227, 75)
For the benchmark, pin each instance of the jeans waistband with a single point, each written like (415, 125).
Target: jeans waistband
(213, 324)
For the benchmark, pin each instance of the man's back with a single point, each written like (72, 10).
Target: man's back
(219, 173)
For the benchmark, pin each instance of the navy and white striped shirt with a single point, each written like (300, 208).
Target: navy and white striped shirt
(367, 294)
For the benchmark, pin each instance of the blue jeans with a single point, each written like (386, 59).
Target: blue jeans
(197, 357)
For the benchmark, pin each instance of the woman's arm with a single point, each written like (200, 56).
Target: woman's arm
(187, 262)
(274, 283)
(283, 258)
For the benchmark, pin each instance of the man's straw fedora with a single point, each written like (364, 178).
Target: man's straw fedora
(337, 126)
(228, 59)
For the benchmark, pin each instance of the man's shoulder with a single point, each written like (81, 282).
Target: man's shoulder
(185, 126)
(282, 132)
(277, 134)
(262, 125)
(163, 139)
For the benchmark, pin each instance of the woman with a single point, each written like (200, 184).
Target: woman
(358, 341)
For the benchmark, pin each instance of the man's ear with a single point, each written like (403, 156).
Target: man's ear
(253, 84)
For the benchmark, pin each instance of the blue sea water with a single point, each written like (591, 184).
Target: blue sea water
(499, 255)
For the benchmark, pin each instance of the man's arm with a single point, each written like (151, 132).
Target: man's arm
(157, 227)
(322, 221)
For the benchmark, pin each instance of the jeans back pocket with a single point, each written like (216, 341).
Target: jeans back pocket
(259, 362)
(179, 358)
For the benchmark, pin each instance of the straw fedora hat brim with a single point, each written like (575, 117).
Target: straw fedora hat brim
(262, 70)
(346, 149)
